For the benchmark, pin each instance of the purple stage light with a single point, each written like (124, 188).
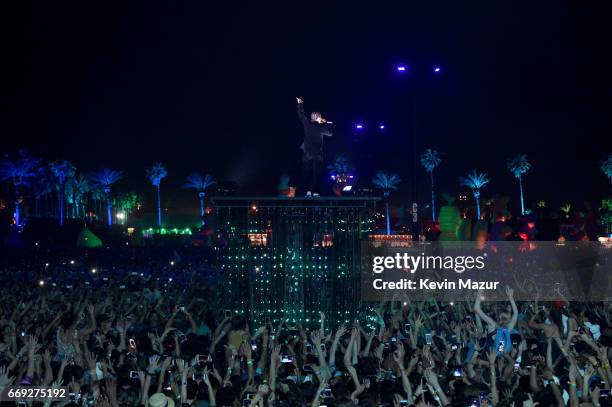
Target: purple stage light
(382, 127)
(359, 126)
(401, 68)
(437, 69)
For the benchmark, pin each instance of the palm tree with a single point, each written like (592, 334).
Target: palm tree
(430, 160)
(340, 172)
(200, 183)
(78, 187)
(519, 166)
(44, 185)
(126, 202)
(386, 182)
(475, 182)
(97, 195)
(340, 166)
(19, 172)
(104, 179)
(63, 170)
(566, 208)
(156, 173)
(606, 167)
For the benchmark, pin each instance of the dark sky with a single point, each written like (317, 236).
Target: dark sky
(210, 86)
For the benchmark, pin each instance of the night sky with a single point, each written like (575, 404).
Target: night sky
(211, 86)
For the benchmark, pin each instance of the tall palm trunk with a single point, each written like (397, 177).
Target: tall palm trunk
(388, 214)
(109, 219)
(433, 198)
(17, 214)
(201, 195)
(61, 204)
(521, 189)
(159, 222)
(478, 207)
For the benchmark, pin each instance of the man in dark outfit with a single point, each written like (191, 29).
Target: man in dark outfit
(312, 148)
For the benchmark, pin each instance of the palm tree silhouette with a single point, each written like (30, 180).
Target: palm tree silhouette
(340, 172)
(63, 170)
(386, 182)
(341, 165)
(200, 183)
(519, 166)
(475, 182)
(430, 160)
(156, 173)
(77, 188)
(126, 202)
(104, 179)
(606, 167)
(19, 172)
(45, 184)
(97, 195)
(566, 208)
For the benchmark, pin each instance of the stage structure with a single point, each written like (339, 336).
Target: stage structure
(289, 258)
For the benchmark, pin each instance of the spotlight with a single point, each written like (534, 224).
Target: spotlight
(72, 262)
(359, 126)
(400, 68)
(93, 270)
(41, 282)
(172, 263)
(437, 69)
(381, 127)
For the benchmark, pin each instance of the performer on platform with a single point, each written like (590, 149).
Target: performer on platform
(315, 129)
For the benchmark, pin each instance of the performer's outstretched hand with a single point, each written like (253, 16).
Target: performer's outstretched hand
(300, 99)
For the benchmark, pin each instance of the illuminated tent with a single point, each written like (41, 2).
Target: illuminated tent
(87, 238)
(450, 220)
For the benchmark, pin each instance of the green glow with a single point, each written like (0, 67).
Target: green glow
(163, 231)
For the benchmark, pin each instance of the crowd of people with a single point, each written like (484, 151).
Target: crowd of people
(133, 336)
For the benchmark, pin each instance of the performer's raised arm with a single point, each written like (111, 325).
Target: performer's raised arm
(300, 110)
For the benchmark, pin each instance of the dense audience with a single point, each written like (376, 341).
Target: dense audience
(141, 335)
